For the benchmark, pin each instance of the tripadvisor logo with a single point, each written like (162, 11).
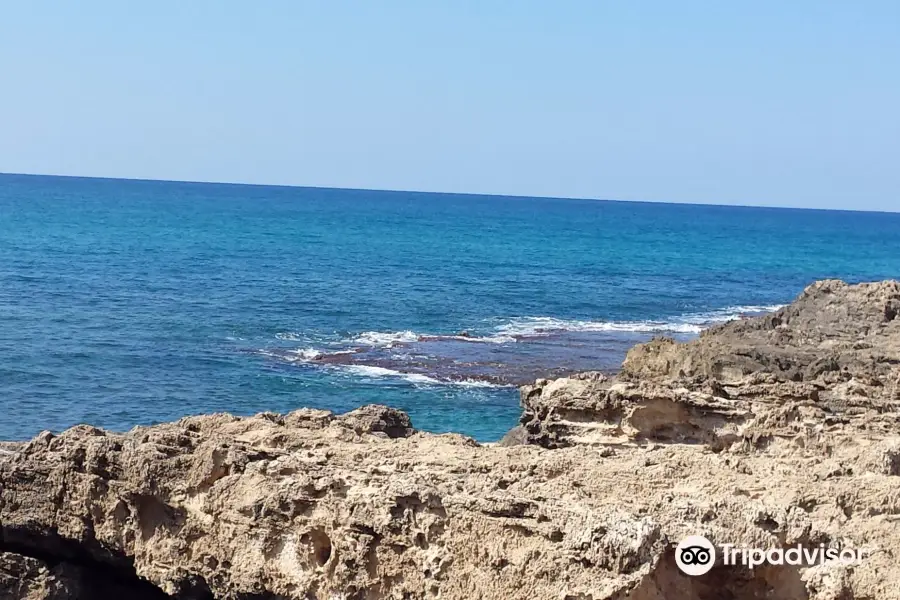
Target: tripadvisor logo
(696, 555)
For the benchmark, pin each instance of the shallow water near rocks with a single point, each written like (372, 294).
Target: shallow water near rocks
(134, 302)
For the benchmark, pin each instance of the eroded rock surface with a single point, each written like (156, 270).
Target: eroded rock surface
(830, 361)
(766, 432)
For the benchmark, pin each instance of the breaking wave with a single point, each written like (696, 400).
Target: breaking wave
(381, 372)
(692, 323)
(376, 372)
(377, 338)
(524, 327)
(446, 359)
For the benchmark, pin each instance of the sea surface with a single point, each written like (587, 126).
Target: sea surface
(135, 302)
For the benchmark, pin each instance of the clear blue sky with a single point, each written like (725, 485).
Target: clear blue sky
(788, 103)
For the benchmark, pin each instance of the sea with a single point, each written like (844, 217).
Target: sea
(126, 302)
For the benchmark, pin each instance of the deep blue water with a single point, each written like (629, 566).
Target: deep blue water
(132, 302)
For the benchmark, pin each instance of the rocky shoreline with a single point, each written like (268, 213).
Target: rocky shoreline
(766, 432)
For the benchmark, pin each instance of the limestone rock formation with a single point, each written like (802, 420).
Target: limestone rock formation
(830, 358)
(765, 432)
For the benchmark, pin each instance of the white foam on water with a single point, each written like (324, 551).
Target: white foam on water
(491, 339)
(416, 378)
(306, 353)
(475, 383)
(309, 356)
(523, 327)
(299, 355)
(382, 372)
(514, 330)
(540, 326)
(519, 327)
(691, 323)
(371, 371)
(290, 336)
(386, 339)
(735, 312)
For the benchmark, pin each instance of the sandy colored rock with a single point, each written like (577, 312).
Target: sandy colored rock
(764, 432)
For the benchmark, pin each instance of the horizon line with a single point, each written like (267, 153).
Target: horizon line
(401, 191)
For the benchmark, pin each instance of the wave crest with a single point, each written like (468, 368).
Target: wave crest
(691, 323)
(443, 359)
(376, 372)
(386, 339)
(539, 326)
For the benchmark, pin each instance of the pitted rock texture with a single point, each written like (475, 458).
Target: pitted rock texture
(828, 360)
(832, 334)
(735, 436)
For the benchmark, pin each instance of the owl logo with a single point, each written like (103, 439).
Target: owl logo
(695, 555)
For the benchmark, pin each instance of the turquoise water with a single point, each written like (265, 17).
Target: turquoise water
(133, 302)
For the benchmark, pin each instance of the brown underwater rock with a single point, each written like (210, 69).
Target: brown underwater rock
(766, 432)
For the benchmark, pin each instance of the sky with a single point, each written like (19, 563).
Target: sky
(767, 103)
